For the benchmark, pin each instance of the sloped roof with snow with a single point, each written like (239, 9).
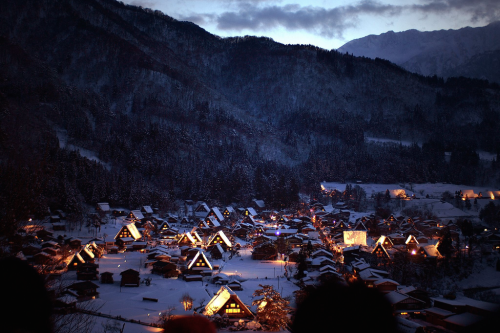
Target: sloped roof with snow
(200, 255)
(222, 236)
(220, 299)
(137, 214)
(218, 214)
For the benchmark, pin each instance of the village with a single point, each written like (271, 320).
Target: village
(142, 267)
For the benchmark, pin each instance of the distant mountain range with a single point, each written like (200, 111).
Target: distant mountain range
(175, 112)
(469, 52)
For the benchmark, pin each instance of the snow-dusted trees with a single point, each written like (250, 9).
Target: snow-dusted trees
(272, 309)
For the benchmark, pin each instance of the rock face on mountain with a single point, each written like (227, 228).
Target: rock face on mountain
(470, 52)
(172, 111)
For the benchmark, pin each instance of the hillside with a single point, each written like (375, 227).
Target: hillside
(469, 52)
(173, 112)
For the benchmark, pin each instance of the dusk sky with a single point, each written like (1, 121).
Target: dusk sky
(328, 24)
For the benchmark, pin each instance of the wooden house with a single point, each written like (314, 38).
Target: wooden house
(258, 205)
(103, 208)
(85, 290)
(249, 211)
(215, 212)
(403, 303)
(164, 226)
(42, 258)
(235, 285)
(147, 211)
(76, 261)
(107, 277)
(164, 268)
(127, 235)
(386, 242)
(228, 212)
(190, 238)
(74, 243)
(130, 278)
(211, 222)
(87, 271)
(264, 251)
(221, 239)
(227, 302)
(135, 215)
(322, 253)
(202, 210)
(411, 244)
(241, 232)
(386, 285)
(381, 255)
(199, 263)
(185, 221)
(217, 252)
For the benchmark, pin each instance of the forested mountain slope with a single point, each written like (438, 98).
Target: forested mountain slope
(176, 112)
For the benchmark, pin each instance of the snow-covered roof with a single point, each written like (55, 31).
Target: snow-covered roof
(133, 230)
(220, 299)
(148, 209)
(381, 281)
(222, 236)
(137, 214)
(200, 255)
(410, 237)
(259, 203)
(464, 319)
(214, 221)
(431, 251)
(103, 206)
(218, 214)
(251, 211)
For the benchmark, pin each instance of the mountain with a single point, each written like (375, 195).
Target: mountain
(156, 109)
(470, 52)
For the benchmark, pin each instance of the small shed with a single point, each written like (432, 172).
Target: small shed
(130, 278)
(107, 278)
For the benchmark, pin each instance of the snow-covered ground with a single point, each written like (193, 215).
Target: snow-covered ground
(128, 302)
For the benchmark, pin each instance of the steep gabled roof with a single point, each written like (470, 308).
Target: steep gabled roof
(189, 236)
(222, 236)
(221, 298)
(217, 213)
(132, 229)
(213, 220)
(137, 214)
(379, 245)
(410, 238)
(200, 255)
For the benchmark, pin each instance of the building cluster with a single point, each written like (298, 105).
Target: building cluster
(327, 244)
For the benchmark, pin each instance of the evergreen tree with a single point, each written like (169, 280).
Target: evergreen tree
(272, 309)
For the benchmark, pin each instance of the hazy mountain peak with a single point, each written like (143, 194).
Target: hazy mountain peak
(442, 52)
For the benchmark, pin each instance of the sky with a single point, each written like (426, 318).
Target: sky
(327, 24)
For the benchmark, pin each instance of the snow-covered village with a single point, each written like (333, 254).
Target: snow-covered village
(205, 166)
(424, 247)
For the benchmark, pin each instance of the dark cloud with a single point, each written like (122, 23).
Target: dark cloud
(477, 10)
(255, 15)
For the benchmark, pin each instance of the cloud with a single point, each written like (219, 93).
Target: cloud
(326, 22)
(262, 15)
(476, 10)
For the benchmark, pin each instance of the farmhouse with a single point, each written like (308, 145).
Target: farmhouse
(227, 302)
